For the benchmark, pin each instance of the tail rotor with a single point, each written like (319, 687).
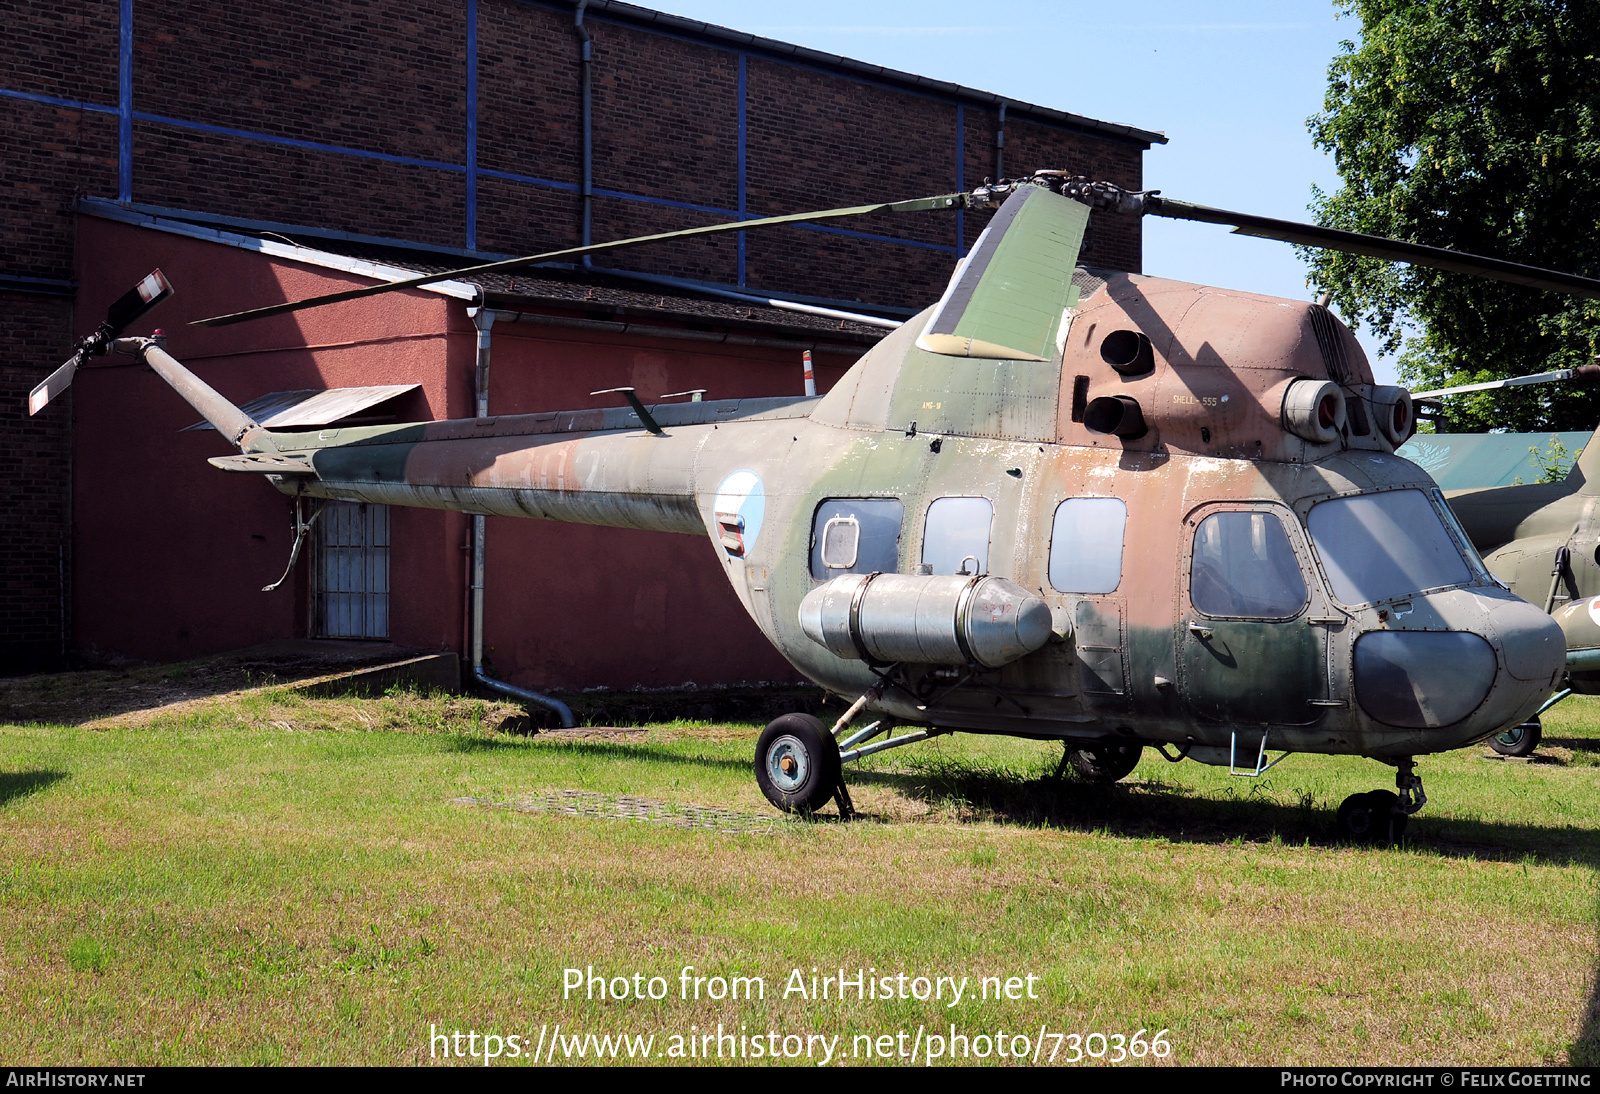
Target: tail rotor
(123, 313)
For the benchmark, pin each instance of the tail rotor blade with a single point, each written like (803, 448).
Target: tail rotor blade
(53, 385)
(136, 302)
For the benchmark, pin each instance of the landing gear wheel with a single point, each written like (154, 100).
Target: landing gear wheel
(797, 764)
(1104, 763)
(1372, 818)
(1518, 740)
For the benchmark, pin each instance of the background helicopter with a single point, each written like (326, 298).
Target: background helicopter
(1106, 509)
(1543, 541)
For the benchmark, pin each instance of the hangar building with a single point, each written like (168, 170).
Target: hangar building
(262, 152)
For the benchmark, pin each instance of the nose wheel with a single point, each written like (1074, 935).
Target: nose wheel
(1380, 816)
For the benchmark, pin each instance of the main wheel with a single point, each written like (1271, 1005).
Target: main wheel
(1518, 740)
(1105, 763)
(797, 763)
(1372, 817)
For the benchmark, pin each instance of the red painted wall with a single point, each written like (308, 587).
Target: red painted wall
(171, 554)
(225, 88)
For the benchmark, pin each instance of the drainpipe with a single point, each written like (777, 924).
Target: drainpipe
(585, 63)
(1000, 145)
(483, 319)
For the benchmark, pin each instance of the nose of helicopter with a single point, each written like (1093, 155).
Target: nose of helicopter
(1465, 662)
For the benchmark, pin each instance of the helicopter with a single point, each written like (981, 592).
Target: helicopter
(1542, 541)
(1065, 504)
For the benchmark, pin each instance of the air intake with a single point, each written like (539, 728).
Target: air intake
(1334, 357)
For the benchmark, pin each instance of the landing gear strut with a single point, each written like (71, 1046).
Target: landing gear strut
(1380, 816)
(799, 764)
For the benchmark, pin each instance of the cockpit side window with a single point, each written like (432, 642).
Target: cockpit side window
(856, 536)
(1379, 546)
(1245, 568)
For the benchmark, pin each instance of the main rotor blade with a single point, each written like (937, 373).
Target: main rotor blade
(1395, 250)
(943, 201)
(1589, 373)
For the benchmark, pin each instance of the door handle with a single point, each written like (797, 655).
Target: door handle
(1199, 632)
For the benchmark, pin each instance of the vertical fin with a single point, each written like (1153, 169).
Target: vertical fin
(1007, 298)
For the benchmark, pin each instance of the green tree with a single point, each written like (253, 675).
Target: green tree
(1474, 125)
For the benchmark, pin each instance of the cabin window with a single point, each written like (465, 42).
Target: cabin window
(841, 542)
(856, 536)
(1086, 545)
(1244, 567)
(1378, 546)
(955, 539)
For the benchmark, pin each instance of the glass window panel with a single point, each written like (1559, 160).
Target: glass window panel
(1086, 545)
(1243, 565)
(841, 541)
(1378, 546)
(878, 535)
(957, 531)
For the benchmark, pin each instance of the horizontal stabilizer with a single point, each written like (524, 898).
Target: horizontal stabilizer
(263, 464)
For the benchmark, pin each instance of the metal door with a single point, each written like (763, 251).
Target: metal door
(1247, 653)
(352, 571)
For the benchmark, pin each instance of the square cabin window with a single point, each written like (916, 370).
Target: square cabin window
(1086, 545)
(856, 536)
(1244, 568)
(956, 537)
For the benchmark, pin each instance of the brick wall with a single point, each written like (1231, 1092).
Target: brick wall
(34, 498)
(241, 109)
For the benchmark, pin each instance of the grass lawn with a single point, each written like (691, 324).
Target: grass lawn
(269, 878)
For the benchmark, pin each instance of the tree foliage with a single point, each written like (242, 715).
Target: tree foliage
(1474, 125)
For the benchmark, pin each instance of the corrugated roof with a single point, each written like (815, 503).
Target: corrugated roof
(312, 407)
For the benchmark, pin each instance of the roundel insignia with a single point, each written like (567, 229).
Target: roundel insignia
(1594, 610)
(738, 510)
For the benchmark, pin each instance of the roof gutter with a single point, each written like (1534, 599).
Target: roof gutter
(686, 334)
(764, 301)
(378, 271)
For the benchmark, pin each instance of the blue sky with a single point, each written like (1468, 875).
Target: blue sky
(1230, 82)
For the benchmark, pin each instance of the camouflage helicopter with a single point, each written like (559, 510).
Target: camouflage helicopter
(1542, 540)
(1111, 510)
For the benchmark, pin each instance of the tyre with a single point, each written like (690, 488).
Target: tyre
(1518, 740)
(1372, 818)
(1105, 763)
(797, 763)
